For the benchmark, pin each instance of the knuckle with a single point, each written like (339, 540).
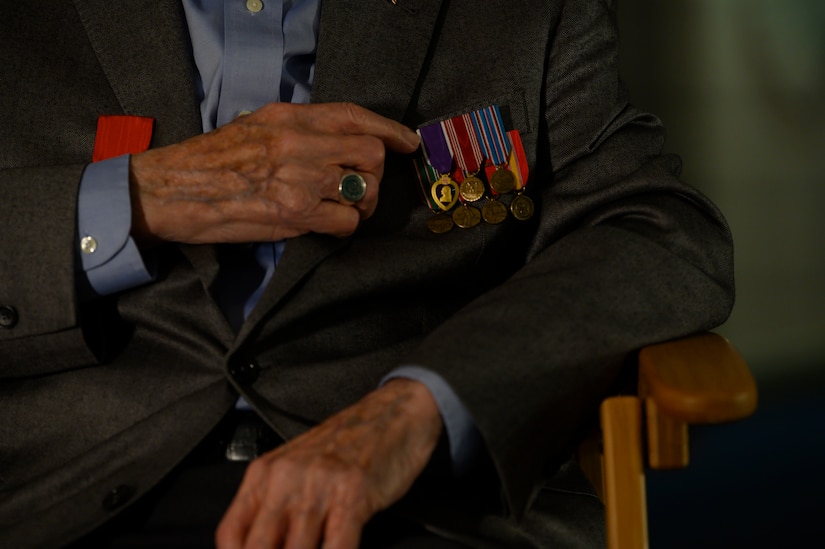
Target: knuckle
(295, 200)
(275, 109)
(355, 114)
(263, 110)
(257, 469)
(354, 111)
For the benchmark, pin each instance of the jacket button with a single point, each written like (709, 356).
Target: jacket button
(118, 496)
(8, 317)
(243, 372)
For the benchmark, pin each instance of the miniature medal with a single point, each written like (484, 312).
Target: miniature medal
(472, 188)
(440, 223)
(502, 181)
(494, 212)
(466, 216)
(522, 207)
(445, 193)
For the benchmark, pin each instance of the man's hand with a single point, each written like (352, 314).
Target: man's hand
(323, 486)
(269, 175)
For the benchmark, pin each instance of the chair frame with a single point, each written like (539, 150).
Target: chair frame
(700, 379)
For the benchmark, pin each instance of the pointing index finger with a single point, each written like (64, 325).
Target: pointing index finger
(350, 118)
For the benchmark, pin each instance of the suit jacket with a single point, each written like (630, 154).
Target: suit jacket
(529, 322)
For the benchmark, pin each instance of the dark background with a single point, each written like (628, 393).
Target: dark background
(740, 85)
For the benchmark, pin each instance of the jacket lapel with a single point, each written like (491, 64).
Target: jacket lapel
(370, 52)
(144, 50)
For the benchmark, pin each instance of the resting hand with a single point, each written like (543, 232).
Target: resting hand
(326, 484)
(266, 176)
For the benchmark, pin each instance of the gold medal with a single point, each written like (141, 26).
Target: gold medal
(522, 207)
(502, 181)
(494, 212)
(466, 216)
(445, 193)
(472, 188)
(440, 223)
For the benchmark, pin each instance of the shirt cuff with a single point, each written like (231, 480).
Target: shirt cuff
(462, 434)
(109, 256)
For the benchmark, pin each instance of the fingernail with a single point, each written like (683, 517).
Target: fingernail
(412, 139)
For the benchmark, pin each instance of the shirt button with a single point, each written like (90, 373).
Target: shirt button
(118, 496)
(8, 317)
(244, 373)
(254, 6)
(88, 244)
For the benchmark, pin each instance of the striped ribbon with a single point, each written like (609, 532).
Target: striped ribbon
(426, 177)
(489, 129)
(463, 143)
(518, 160)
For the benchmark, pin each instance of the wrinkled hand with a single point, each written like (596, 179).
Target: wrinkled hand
(323, 486)
(266, 176)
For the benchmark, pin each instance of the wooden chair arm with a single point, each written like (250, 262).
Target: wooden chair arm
(694, 380)
(697, 379)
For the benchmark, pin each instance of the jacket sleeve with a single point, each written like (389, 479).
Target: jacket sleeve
(38, 268)
(55, 81)
(624, 255)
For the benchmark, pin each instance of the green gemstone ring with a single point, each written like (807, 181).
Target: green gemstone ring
(352, 187)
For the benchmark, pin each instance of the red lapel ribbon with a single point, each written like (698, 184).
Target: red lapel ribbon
(121, 134)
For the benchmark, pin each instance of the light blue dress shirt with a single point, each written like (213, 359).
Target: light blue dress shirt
(248, 53)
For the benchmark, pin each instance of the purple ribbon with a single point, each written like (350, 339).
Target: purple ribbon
(436, 148)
